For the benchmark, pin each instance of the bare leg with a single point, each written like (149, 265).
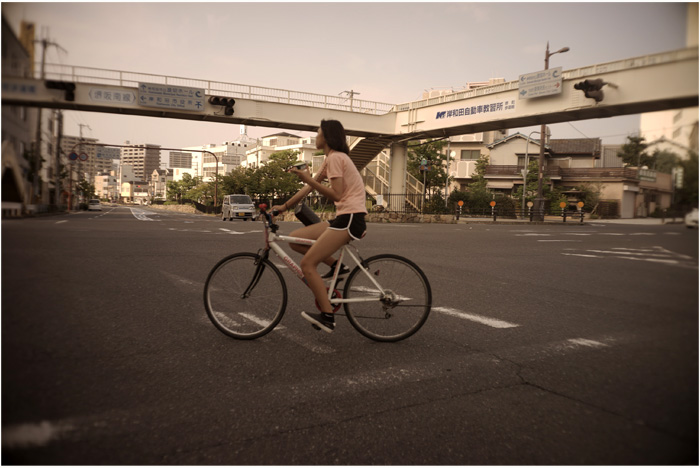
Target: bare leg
(328, 243)
(313, 231)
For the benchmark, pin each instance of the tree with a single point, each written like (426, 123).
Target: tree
(268, 181)
(86, 189)
(633, 152)
(430, 151)
(665, 161)
(687, 193)
(530, 184)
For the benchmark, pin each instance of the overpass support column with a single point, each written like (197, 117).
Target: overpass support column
(397, 181)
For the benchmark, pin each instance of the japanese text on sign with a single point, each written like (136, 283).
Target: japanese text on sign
(500, 106)
(110, 95)
(173, 97)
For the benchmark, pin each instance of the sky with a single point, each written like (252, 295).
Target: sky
(386, 52)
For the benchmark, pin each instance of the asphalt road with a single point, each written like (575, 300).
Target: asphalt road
(546, 345)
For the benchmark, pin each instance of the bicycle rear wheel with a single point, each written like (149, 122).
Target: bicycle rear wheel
(401, 307)
(245, 296)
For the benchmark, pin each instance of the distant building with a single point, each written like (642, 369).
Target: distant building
(675, 130)
(144, 158)
(179, 159)
(158, 182)
(18, 129)
(106, 186)
(230, 155)
(259, 154)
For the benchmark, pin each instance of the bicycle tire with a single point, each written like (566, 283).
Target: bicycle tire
(241, 316)
(407, 303)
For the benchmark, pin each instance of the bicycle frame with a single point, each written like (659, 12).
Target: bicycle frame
(271, 243)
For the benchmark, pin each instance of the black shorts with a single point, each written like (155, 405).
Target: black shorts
(354, 223)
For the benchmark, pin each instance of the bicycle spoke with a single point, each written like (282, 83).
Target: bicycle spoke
(399, 310)
(244, 299)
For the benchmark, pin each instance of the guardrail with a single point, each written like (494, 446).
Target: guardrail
(78, 74)
(626, 64)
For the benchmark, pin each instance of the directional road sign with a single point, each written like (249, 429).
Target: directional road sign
(171, 97)
(541, 83)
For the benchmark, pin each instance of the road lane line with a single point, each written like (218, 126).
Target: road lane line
(582, 255)
(31, 435)
(59, 222)
(491, 322)
(588, 343)
(558, 240)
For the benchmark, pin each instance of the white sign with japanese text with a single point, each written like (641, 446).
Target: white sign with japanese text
(112, 95)
(541, 83)
(171, 97)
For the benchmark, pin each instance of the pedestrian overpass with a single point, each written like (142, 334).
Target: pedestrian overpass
(649, 83)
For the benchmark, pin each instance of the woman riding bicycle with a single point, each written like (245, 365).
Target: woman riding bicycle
(347, 190)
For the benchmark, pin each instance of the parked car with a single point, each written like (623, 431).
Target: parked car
(691, 219)
(238, 207)
(94, 205)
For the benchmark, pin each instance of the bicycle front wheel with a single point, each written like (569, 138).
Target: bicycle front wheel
(399, 298)
(245, 296)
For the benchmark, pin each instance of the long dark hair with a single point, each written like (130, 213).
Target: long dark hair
(334, 134)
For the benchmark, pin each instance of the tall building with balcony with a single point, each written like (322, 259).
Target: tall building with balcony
(144, 158)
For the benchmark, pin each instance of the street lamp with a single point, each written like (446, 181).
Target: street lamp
(539, 201)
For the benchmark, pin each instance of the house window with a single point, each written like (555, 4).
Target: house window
(470, 155)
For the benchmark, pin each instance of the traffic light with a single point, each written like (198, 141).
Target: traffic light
(227, 103)
(592, 88)
(67, 86)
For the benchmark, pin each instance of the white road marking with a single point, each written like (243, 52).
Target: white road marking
(654, 254)
(533, 234)
(59, 222)
(588, 343)
(557, 240)
(31, 435)
(142, 215)
(491, 322)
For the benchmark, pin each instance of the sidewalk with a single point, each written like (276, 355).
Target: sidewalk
(557, 220)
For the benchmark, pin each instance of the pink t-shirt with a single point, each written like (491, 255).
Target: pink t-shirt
(339, 164)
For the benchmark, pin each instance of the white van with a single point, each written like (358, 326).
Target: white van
(95, 205)
(238, 207)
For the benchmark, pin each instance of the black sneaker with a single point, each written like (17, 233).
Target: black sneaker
(321, 321)
(343, 272)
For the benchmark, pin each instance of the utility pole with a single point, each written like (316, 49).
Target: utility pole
(352, 94)
(37, 144)
(57, 175)
(543, 129)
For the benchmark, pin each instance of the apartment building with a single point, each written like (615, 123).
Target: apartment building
(211, 159)
(18, 129)
(106, 186)
(675, 130)
(267, 145)
(144, 158)
(84, 148)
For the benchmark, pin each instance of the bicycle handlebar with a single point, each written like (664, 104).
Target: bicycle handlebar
(263, 211)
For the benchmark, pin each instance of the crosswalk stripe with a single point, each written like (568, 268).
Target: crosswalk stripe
(488, 321)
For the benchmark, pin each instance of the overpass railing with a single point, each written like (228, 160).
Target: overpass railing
(618, 65)
(78, 74)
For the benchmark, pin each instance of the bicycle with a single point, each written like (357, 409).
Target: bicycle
(386, 297)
